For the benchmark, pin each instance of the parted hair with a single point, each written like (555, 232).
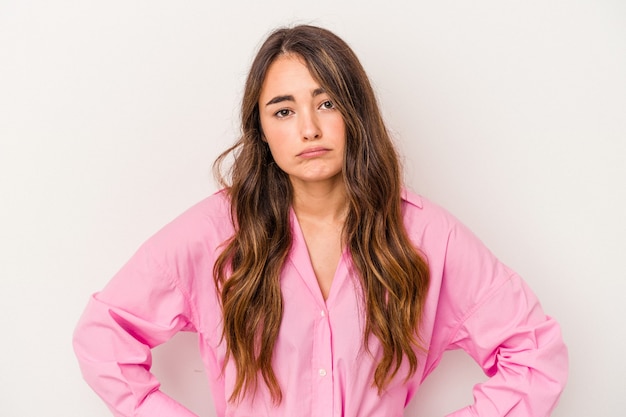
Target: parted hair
(393, 274)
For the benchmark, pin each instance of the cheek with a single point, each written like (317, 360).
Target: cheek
(274, 132)
(276, 141)
(339, 130)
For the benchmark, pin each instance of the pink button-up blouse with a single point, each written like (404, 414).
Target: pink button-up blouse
(474, 303)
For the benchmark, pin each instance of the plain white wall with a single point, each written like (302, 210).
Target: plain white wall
(511, 114)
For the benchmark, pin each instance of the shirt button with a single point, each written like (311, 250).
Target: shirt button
(322, 313)
(322, 372)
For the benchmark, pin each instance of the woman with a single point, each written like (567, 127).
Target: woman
(318, 286)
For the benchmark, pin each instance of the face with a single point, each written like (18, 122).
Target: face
(305, 132)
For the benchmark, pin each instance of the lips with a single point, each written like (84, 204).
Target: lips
(313, 152)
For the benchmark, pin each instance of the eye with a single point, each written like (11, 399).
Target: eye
(282, 113)
(327, 105)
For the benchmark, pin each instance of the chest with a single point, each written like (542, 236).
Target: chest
(323, 246)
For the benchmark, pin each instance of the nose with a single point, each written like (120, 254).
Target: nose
(309, 126)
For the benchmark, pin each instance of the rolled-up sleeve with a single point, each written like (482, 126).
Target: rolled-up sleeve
(140, 308)
(520, 349)
(502, 326)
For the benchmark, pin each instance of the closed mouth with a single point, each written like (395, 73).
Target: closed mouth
(313, 151)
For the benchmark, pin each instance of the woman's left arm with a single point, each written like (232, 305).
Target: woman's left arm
(519, 348)
(490, 312)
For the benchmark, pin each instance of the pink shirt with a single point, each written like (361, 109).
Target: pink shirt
(475, 303)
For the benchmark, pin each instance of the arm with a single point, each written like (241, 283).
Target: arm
(500, 323)
(140, 308)
(519, 348)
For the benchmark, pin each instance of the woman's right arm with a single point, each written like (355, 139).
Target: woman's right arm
(140, 308)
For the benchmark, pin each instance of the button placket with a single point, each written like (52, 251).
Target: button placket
(322, 366)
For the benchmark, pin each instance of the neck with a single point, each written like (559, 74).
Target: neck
(321, 201)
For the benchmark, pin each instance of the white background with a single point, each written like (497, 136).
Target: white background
(511, 114)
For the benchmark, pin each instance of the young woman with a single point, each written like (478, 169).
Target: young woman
(317, 284)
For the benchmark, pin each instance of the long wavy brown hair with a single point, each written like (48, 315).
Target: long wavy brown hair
(393, 275)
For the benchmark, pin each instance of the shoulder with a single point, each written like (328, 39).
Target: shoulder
(463, 269)
(439, 234)
(212, 211)
(214, 208)
(421, 215)
(201, 228)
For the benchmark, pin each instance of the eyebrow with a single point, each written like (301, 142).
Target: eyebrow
(289, 97)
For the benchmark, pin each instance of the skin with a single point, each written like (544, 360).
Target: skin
(306, 136)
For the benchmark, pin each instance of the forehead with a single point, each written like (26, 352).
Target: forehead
(287, 75)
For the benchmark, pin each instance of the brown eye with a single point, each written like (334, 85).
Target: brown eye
(328, 105)
(282, 113)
